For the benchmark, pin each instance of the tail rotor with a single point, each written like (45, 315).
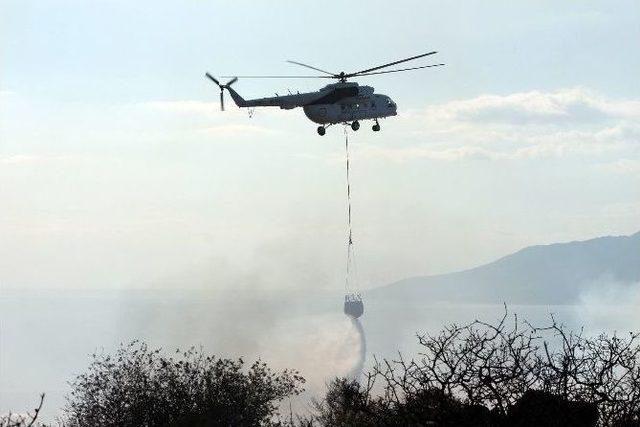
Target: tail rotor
(222, 87)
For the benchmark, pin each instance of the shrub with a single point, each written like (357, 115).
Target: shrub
(141, 387)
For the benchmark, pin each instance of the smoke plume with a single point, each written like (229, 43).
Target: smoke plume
(609, 305)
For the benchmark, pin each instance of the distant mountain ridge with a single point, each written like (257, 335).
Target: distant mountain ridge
(544, 274)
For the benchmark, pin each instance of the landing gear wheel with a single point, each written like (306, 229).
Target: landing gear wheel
(355, 125)
(321, 130)
(376, 127)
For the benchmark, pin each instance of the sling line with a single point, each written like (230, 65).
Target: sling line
(350, 235)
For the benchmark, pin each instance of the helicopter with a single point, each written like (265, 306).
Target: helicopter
(341, 102)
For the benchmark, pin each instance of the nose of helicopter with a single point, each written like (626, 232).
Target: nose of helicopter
(394, 108)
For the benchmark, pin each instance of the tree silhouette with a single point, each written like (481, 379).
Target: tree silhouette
(504, 374)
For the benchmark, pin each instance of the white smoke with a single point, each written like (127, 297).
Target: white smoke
(608, 305)
(320, 346)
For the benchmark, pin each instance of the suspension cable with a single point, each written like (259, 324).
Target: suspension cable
(350, 254)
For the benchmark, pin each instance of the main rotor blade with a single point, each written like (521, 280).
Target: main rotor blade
(232, 81)
(390, 64)
(212, 78)
(281, 77)
(221, 101)
(402, 69)
(313, 68)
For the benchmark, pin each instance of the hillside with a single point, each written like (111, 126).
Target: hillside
(546, 274)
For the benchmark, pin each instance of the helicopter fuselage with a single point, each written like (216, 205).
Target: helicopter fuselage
(335, 103)
(350, 109)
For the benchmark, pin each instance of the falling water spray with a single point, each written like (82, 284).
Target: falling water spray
(356, 372)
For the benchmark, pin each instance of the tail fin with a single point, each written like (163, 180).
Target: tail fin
(240, 101)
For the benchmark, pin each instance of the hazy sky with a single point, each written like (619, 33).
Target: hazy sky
(118, 170)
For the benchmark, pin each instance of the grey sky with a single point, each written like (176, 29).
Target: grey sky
(117, 170)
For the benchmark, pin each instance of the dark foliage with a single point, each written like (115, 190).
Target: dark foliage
(141, 387)
(537, 408)
(349, 403)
